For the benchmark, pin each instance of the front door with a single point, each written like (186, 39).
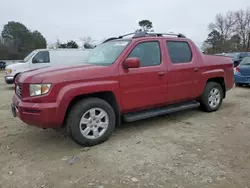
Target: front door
(41, 59)
(145, 86)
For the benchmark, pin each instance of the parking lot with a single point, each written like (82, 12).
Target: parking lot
(186, 149)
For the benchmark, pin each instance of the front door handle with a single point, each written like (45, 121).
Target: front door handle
(162, 73)
(196, 69)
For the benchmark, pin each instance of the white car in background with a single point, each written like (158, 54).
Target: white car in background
(44, 58)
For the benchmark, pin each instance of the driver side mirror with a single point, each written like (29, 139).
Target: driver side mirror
(131, 62)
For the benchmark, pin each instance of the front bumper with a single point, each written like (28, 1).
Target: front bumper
(240, 79)
(9, 79)
(43, 115)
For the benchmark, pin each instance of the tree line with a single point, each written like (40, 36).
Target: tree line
(17, 41)
(229, 32)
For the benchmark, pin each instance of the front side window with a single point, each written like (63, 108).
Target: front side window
(106, 53)
(179, 52)
(149, 53)
(28, 57)
(41, 57)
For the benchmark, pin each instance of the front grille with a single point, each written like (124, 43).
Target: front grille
(19, 90)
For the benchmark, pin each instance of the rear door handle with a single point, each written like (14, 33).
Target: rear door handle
(196, 69)
(161, 73)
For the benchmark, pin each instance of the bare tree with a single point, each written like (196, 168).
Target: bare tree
(243, 25)
(86, 40)
(224, 24)
(233, 30)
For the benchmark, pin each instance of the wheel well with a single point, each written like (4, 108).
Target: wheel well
(108, 96)
(221, 81)
(15, 76)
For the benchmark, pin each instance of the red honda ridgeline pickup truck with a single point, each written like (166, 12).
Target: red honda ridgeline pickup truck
(147, 75)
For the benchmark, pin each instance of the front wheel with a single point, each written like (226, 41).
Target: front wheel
(91, 121)
(212, 97)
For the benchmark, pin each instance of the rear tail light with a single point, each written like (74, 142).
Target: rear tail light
(237, 69)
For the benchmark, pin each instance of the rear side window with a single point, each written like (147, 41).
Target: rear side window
(179, 52)
(41, 57)
(149, 53)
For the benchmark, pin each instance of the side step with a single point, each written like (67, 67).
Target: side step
(134, 116)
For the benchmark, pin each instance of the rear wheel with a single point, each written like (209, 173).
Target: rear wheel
(212, 97)
(91, 122)
(238, 85)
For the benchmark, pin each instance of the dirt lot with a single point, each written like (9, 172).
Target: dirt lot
(187, 149)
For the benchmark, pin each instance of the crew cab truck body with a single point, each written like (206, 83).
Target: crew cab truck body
(136, 78)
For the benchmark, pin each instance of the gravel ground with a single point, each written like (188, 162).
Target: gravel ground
(186, 149)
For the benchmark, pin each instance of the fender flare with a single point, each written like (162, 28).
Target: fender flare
(69, 92)
(211, 74)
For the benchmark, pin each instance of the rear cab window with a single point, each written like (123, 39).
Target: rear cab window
(179, 52)
(41, 57)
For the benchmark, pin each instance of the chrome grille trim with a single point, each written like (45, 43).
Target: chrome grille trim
(19, 90)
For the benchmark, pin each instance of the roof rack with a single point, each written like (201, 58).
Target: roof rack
(179, 35)
(139, 33)
(120, 37)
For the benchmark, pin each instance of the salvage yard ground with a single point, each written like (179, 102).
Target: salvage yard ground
(187, 149)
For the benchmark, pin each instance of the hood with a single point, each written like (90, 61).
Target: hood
(61, 74)
(15, 66)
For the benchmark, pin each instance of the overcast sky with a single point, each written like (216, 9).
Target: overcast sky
(72, 19)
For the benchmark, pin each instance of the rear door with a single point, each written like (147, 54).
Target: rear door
(182, 71)
(143, 87)
(244, 68)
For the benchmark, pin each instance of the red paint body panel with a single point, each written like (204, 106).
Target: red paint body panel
(44, 115)
(134, 89)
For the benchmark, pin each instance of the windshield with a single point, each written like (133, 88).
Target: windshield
(28, 56)
(245, 61)
(106, 53)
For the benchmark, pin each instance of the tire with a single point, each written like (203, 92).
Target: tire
(83, 109)
(205, 104)
(238, 85)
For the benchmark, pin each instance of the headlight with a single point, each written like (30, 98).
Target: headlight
(8, 71)
(39, 89)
